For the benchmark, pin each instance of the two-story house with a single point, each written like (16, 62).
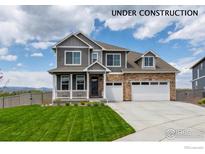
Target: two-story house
(88, 69)
(198, 77)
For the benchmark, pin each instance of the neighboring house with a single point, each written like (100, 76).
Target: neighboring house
(198, 77)
(88, 69)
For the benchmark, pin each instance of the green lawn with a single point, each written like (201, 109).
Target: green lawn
(61, 123)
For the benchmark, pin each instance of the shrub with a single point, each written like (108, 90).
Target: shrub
(95, 104)
(75, 104)
(201, 101)
(67, 104)
(89, 104)
(57, 101)
(102, 104)
(82, 103)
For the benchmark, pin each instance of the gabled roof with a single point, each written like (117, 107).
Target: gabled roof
(143, 55)
(110, 47)
(198, 62)
(69, 37)
(161, 65)
(94, 68)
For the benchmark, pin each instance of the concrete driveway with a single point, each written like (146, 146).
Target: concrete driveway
(163, 121)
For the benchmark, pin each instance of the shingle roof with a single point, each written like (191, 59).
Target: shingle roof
(132, 66)
(67, 69)
(111, 47)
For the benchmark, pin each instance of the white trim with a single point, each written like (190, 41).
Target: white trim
(86, 69)
(71, 86)
(88, 85)
(72, 57)
(54, 87)
(56, 57)
(83, 47)
(112, 54)
(92, 56)
(126, 60)
(70, 36)
(116, 73)
(104, 85)
(77, 80)
(199, 78)
(151, 52)
(89, 39)
(148, 67)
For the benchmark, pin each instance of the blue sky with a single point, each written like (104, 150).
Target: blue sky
(28, 33)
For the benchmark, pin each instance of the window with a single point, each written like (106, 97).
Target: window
(117, 84)
(201, 66)
(94, 57)
(148, 61)
(153, 83)
(135, 83)
(163, 83)
(80, 82)
(198, 73)
(64, 82)
(109, 84)
(144, 83)
(72, 57)
(196, 84)
(114, 60)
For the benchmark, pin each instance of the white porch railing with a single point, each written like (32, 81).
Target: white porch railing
(79, 93)
(74, 93)
(63, 93)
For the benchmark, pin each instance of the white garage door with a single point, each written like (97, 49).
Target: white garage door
(150, 91)
(114, 91)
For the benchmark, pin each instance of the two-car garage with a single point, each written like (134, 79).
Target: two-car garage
(140, 91)
(150, 90)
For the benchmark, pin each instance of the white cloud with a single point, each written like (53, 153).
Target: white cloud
(4, 55)
(37, 54)
(28, 79)
(41, 45)
(185, 76)
(19, 64)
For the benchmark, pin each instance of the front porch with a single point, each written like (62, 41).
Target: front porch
(79, 86)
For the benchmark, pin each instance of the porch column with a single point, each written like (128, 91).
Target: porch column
(71, 86)
(88, 85)
(54, 87)
(104, 85)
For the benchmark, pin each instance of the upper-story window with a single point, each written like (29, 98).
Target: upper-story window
(94, 57)
(72, 57)
(113, 59)
(148, 61)
(198, 73)
(201, 66)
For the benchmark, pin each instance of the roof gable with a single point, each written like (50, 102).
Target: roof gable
(88, 40)
(96, 66)
(72, 40)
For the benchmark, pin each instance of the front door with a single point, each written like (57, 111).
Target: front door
(94, 86)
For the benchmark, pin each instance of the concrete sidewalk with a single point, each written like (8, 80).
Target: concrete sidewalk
(162, 121)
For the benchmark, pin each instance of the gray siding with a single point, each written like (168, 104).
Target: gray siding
(96, 67)
(115, 69)
(61, 52)
(201, 70)
(72, 41)
(99, 56)
(88, 41)
(201, 84)
(201, 81)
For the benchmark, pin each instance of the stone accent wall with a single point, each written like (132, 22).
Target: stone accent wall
(126, 78)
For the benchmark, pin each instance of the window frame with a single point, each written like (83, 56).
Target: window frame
(62, 84)
(66, 51)
(113, 59)
(76, 82)
(93, 53)
(143, 63)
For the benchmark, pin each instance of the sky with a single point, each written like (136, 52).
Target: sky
(27, 34)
